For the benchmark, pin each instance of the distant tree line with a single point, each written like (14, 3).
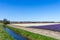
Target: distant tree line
(34, 22)
(5, 21)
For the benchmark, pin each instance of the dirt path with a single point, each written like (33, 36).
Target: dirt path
(41, 31)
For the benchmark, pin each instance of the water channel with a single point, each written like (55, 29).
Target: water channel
(15, 35)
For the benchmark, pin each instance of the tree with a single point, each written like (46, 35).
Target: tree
(5, 21)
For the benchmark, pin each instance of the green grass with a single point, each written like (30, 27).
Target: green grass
(4, 35)
(30, 35)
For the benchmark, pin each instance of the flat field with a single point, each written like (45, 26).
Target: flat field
(31, 35)
(33, 24)
(50, 33)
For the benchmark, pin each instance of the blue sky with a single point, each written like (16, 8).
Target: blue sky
(30, 10)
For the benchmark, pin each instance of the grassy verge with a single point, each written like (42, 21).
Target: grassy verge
(30, 35)
(4, 35)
